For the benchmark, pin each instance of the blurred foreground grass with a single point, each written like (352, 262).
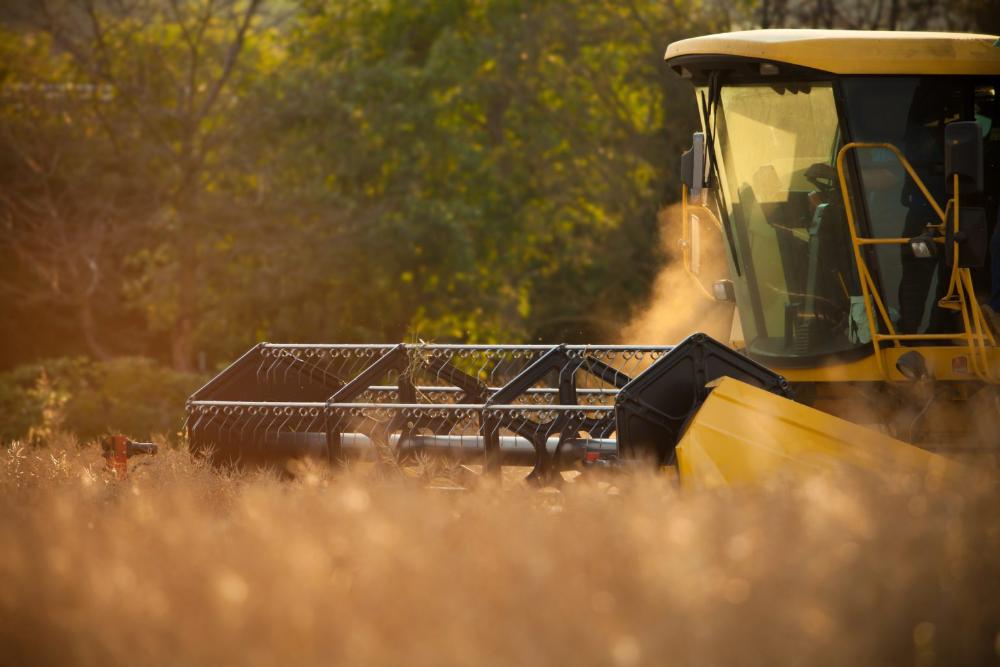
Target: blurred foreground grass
(184, 565)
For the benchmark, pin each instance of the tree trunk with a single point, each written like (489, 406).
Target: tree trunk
(182, 345)
(183, 342)
(89, 329)
(893, 14)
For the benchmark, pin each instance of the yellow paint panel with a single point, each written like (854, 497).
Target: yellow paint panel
(744, 434)
(945, 363)
(854, 51)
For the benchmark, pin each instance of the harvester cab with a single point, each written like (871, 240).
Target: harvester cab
(851, 180)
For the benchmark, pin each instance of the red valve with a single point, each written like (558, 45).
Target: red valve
(118, 449)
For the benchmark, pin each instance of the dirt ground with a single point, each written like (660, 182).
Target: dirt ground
(184, 565)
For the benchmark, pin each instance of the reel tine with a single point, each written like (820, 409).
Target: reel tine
(328, 358)
(272, 425)
(272, 373)
(316, 418)
(199, 416)
(260, 366)
(262, 416)
(565, 372)
(224, 424)
(347, 363)
(488, 368)
(447, 357)
(246, 422)
(336, 418)
(341, 420)
(261, 423)
(270, 430)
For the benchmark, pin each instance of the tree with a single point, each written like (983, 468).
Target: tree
(68, 196)
(183, 178)
(963, 16)
(501, 161)
(165, 77)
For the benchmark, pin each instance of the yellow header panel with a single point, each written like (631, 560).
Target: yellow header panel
(743, 434)
(854, 51)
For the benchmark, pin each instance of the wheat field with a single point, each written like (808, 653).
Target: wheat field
(182, 564)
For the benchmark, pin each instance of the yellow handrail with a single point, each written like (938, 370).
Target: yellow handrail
(975, 331)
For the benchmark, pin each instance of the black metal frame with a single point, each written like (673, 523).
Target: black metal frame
(337, 395)
(311, 400)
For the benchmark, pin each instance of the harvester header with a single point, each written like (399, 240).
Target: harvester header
(548, 407)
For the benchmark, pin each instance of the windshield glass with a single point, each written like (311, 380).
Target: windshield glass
(795, 279)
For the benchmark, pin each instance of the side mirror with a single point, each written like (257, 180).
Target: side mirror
(963, 155)
(693, 164)
(724, 291)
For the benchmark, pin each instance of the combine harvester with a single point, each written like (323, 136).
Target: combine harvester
(851, 178)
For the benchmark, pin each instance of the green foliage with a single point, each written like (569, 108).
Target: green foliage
(463, 170)
(130, 395)
(492, 165)
(182, 179)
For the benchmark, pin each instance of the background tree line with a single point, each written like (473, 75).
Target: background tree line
(182, 178)
(185, 178)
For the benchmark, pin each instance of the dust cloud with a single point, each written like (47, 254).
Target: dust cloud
(677, 307)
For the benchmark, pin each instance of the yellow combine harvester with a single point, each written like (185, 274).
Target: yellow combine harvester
(853, 177)
(851, 181)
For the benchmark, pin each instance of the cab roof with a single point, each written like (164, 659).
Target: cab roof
(849, 51)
